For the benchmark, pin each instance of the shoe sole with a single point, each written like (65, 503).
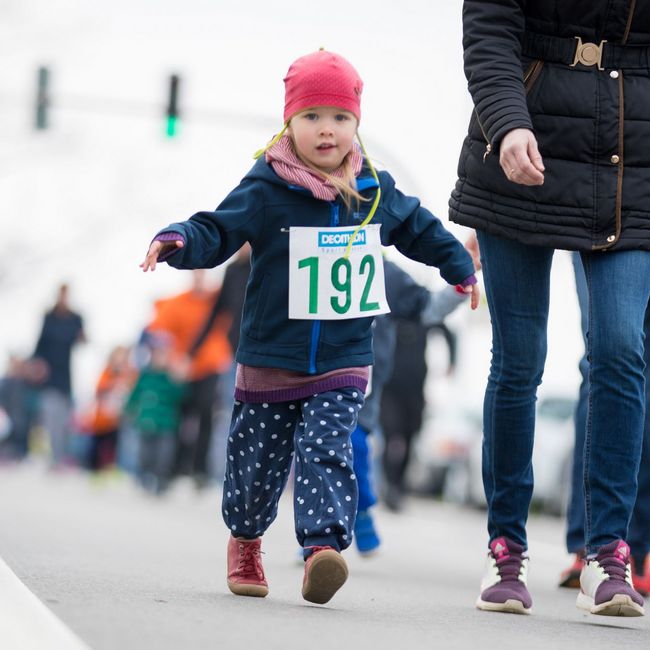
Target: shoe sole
(243, 589)
(619, 605)
(327, 574)
(509, 607)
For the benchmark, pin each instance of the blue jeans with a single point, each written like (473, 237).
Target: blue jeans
(639, 530)
(517, 284)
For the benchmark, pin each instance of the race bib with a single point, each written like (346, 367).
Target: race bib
(324, 285)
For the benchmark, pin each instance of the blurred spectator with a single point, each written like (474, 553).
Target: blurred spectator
(154, 408)
(18, 401)
(183, 318)
(230, 304)
(113, 387)
(411, 302)
(62, 328)
(403, 402)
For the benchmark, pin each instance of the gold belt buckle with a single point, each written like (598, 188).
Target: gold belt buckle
(588, 53)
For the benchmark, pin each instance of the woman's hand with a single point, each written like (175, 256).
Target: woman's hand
(156, 249)
(520, 159)
(475, 295)
(471, 246)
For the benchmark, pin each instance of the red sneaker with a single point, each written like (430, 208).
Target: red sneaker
(570, 578)
(642, 581)
(245, 570)
(325, 573)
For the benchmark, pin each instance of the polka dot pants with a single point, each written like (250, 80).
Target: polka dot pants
(265, 438)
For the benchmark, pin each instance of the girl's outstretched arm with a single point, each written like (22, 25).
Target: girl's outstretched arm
(157, 249)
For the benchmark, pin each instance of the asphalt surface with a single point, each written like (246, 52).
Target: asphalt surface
(124, 570)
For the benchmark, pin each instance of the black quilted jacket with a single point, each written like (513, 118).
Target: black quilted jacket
(588, 106)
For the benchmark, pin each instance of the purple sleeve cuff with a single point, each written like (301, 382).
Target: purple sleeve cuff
(467, 282)
(167, 237)
(470, 279)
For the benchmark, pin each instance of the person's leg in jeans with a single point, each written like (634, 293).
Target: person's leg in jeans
(639, 531)
(517, 285)
(619, 288)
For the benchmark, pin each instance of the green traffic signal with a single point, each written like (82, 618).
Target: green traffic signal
(172, 126)
(172, 106)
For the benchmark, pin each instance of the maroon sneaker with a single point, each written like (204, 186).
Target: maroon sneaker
(245, 570)
(503, 588)
(570, 577)
(606, 583)
(325, 573)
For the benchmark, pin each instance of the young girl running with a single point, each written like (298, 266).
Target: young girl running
(316, 213)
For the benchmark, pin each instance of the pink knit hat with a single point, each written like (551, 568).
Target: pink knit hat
(322, 79)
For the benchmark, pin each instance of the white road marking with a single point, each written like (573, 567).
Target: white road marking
(26, 623)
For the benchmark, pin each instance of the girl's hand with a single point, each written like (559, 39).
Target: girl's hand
(473, 290)
(156, 249)
(520, 159)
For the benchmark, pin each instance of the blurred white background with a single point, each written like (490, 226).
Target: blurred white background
(80, 201)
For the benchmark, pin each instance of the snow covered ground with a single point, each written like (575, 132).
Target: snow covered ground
(80, 201)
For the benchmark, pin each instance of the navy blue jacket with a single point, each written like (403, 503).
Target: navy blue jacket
(260, 210)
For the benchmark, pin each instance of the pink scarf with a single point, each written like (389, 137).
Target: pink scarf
(286, 164)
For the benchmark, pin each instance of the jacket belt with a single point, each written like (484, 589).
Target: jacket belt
(558, 49)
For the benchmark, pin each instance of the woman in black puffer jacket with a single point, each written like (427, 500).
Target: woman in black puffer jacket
(558, 156)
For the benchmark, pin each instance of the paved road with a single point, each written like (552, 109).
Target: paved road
(126, 571)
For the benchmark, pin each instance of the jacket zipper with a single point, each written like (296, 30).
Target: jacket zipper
(316, 325)
(530, 77)
(488, 146)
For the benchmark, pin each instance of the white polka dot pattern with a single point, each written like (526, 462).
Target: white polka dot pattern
(325, 488)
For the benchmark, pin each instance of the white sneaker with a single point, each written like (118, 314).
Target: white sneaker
(503, 588)
(606, 583)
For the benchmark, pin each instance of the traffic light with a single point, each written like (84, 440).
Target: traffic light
(42, 98)
(172, 106)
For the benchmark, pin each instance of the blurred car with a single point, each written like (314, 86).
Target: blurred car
(552, 459)
(442, 446)
(447, 456)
